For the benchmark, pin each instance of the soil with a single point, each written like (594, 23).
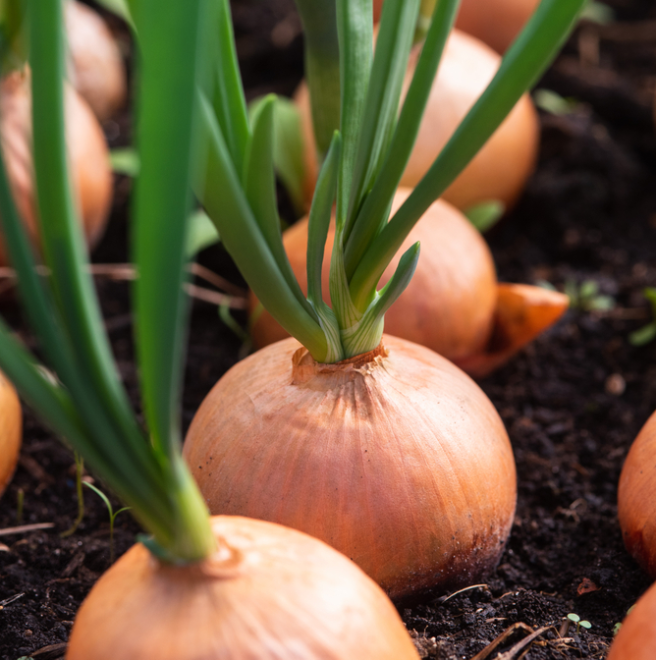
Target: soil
(572, 402)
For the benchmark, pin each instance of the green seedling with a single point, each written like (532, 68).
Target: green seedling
(598, 12)
(125, 161)
(576, 619)
(647, 333)
(549, 101)
(79, 471)
(587, 298)
(112, 516)
(486, 214)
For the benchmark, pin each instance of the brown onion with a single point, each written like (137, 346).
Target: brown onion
(636, 639)
(636, 498)
(11, 431)
(453, 303)
(89, 157)
(500, 169)
(450, 301)
(97, 70)
(270, 594)
(396, 458)
(495, 22)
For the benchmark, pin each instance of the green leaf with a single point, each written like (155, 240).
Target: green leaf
(161, 207)
(529, 55)
(355, 30)
(228, 97)
(375, 210)
(125, 161)
(551, 102)
(644, 335)
(218, 187)
(201, 233)
(322, 67)
(288, 147)
(390, 62)
(319, 222)
(486, 214)
(63, 242)
(260, 189)
(598, 12)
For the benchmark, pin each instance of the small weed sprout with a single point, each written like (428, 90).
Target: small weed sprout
(569, 620)
(112, 516)
(618, 625)
(79, 471)
(647, 333)
(587, 298)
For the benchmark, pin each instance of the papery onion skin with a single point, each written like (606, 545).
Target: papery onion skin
(501, 168)
(396, 458)
(11, 430)
(97, 71)
(636, 639)
(636, 498)
(450, 301)
(278, 595)
(88, 154)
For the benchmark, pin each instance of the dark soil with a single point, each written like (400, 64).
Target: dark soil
(572, 402)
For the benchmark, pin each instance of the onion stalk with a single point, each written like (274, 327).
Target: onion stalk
(250, 589)
(499, 171)
(453, 304)
(342, 436)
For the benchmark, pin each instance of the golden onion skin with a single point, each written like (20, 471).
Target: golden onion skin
(272, 594)
(450, 301)
(97, 70)
(495, 22)
(501, 168)
(11, 431)
(88, 154)
(636, 498)
(396, 458)
(636, 639)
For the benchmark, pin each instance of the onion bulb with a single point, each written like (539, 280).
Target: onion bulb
(500, 169)
(87, 149)
(11, 428)
(636, 498)
(382, 456)
(495, 22)
(453, 304)
(96, 70)
(271, 593)
(636, 639)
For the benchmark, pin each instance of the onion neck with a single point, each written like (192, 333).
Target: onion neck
(192, 539)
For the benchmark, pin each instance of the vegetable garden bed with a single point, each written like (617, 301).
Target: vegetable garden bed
(572, 402)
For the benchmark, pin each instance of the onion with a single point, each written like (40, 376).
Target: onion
(382, 456)
(453, 303)
(89, 157)
(500, 169)
(11, 429)
(636, 498)
(495, 22)
(97, 70)
(636, 639)
(272, 594)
